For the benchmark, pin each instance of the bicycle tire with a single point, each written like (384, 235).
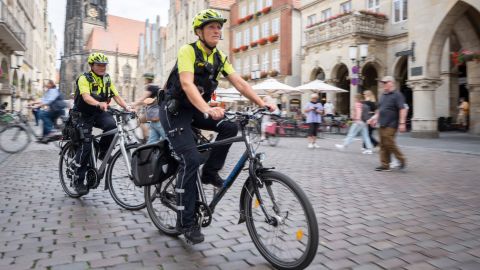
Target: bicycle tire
(67, 156)
(11, 138)
(155, 195)
(134, 198)
(292, 239)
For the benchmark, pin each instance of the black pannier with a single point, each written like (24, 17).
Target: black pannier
(152, 164)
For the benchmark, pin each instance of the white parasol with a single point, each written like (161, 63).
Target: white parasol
(320, 86)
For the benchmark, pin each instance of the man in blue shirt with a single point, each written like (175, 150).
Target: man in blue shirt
(48, 116)
(313, 111)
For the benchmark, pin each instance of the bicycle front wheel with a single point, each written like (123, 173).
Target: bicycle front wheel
(14, 138)
(120, 183)
(288, 238)
(161, 200)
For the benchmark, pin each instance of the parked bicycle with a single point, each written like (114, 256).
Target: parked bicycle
(18, 133)
(115, 167)
(277, 213)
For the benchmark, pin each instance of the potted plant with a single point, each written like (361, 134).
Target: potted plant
(253, 44)
(259, 13)
(273, 73)
(273, 38)
(241, 20)
(263, 74)
(463, 56)
(235, 50)
(246, 77)
(244, 47)
(265, 10)
(249, 17)
(262, 41)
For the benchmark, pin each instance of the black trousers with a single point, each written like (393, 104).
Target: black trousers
(101, 120)
(181, 138)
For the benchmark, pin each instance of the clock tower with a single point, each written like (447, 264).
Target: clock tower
(81, 17)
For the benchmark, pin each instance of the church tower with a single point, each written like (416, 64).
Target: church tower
(81, 17)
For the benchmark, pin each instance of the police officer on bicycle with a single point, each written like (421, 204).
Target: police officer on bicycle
(188, 89)
(94, 90)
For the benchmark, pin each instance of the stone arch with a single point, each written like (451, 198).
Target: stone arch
(29, 89)
(318, 73)
(4, 71)
(340, 77)
(371, 74)
(400, 73)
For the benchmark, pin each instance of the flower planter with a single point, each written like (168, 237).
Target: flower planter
(244, 47)
(241, 20)
(253, 44)
(273, 73)
(235, 50)
(263, 74)
(266, 10)
(249, 17)
(273, 38)
(259, 13)
(463, 56)
(262, 41)
(246, 77)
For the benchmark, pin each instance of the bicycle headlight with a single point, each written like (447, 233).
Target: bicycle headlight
(261, 156)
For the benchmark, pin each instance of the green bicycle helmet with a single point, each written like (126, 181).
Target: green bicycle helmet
(206, 16)
(149, 76)
(97, 58)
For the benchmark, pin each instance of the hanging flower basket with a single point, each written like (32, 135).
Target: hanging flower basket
(463, 56)
(253, 44)
(263, 74)
(235, 50)
(374, 14)
(273, 73)
(244, 47)
(262, 41)
(273, 38)
(249, 17)
(259, 13)
(266, 10)
(241, 20)
(246, 77)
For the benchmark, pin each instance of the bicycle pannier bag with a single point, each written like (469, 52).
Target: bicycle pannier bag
(152, 164)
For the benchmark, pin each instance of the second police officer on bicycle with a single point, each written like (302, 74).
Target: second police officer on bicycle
(94, 90)
(188, 89)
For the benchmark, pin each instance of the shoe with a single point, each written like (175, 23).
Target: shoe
(79, 187)
(394, 164)
(382, 169)
(193, 235)
(367, 152)
(310, 145)
(402, 165)
(316, 145)
(213, 179)
(340, 146)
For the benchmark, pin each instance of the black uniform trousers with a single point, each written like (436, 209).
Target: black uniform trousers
(102, 120)
(180, 135)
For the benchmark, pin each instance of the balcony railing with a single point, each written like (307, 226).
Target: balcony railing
(355, 23)
(8, 26)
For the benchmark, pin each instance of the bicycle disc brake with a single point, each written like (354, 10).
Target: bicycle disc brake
(92, 178)
(203, 215)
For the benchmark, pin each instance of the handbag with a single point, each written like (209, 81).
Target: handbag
(152, 112)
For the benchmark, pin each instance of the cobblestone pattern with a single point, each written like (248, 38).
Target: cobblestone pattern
(424, 218)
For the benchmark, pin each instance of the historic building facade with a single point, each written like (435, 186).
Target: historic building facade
(411, 40)
(27, 50)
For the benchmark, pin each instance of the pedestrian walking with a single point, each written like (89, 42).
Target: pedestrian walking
(391, 116)
(360, 115)
(313, 111)
(371, 102)
(462, 116)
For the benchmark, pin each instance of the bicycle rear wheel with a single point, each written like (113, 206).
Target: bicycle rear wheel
(161, 200)
(14, 138)
(120, 183)
(290, 239)
(67, 157)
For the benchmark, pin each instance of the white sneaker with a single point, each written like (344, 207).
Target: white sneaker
(340, 146)
(367, 152)
(310, 145)
(316, 145)
(394, 164)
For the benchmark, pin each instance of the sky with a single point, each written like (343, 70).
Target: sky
(132, 9)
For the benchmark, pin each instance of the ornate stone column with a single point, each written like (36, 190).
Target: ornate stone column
(424, 121)
(473, 81)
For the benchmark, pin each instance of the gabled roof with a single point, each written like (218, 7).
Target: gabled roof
(221, 4)
(121, 32)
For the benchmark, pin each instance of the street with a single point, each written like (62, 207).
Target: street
(425, 217)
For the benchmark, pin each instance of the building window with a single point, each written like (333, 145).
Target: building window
(268, 3)
(255, 33)
(255, 65)
(373, 5)
(346, 7)
(246, 37)
(243, 11)
(275, 26)
(259, 5)
(238, 64)
(266, 29)
(266, 61)
(238, 39)
(311, 19)
(246, 66)
(327, 13)
(400, 10)
(252, 7)
(276, 59)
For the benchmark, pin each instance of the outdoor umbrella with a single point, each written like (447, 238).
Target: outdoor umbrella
(273, 86)
(320, 86)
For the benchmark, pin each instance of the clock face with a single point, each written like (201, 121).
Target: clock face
(92, 12)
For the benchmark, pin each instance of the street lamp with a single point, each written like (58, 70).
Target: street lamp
(17, 62)
(357, 54)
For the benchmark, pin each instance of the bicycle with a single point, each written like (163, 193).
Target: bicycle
(18, 133)
(273, 130)
(265, 204)
(116, 167)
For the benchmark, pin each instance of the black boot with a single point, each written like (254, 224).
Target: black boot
(212, 178)
(193, 235)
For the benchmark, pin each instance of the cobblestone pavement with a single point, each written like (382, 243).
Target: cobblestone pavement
(424, 218)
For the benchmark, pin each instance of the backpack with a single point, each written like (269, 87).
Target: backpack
(152, 111)
(152, 164)
(59, 103)
(365, 112)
